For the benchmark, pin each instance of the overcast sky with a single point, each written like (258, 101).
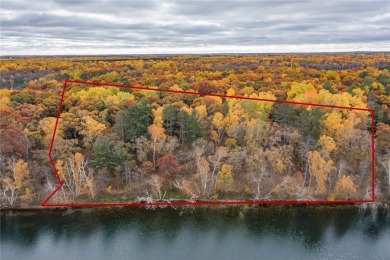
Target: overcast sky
(131, 27)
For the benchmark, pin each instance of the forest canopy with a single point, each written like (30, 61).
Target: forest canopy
(124, 145)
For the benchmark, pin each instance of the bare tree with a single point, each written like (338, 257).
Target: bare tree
(8, 191)
(76, 177)
(202, 164)
(257, 171)
(185, 185)
(127, 173)
(155, 182)
(220, 153)
(283, 185)
(386, 164)
(257, 178)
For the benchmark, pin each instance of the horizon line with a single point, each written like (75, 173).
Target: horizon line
(197, 53)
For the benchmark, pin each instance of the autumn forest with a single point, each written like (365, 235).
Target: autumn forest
(126, 144)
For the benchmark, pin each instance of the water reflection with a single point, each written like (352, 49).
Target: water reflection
(226, 232)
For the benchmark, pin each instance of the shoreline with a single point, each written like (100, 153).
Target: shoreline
(380, 205)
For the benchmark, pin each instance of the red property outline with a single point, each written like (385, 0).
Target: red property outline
(190, 203)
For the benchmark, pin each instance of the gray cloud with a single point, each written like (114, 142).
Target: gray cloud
(66, 27)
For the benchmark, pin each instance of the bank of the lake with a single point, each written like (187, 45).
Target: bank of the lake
(222, 232)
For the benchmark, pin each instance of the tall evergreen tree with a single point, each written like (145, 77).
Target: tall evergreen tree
(310, 125)
(170, 120)
(195, 128)
(182, 125)
(134, 121)
(140, 117)
(102, 154)
(283, 114)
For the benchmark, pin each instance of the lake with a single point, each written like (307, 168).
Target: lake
(279, 232)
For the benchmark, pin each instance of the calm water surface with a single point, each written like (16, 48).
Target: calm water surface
(198, 233)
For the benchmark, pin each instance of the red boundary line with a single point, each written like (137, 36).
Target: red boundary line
(190, 203)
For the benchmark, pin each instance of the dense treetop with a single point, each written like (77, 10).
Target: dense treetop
(117, 144)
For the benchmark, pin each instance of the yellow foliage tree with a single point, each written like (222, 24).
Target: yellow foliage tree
(344, 189)
(28, 194)
(201, 112)
(4, 101)
(319, 168)
(333, 123)
(20, 173)
(324, 97)
(231, 101)
(124, 96)
(265, 107)
(299, 88)
(92, 128)
(352, 120)
(327, 144)
(258, 109)
(218, 125)
(225, 177)
(46, 127)
(235, 114)
(158, 135)
(158, 116)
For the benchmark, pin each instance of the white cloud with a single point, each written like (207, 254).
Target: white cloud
(127, 27)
